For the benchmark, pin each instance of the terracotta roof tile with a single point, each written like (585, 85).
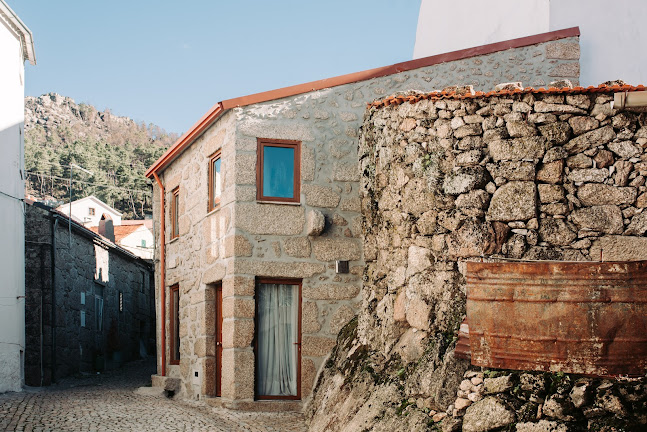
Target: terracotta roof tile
(439, 95)
(121, 231)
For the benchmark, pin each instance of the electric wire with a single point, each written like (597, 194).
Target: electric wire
(11, 196)
(39, 173)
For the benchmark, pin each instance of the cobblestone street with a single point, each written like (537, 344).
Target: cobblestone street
(108, 402)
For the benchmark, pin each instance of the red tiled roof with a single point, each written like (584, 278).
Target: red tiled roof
(148, 223)
(438, 95)
(121, 231)
(218, 109)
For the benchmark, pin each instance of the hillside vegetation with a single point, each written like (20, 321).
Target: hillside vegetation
(117, 150)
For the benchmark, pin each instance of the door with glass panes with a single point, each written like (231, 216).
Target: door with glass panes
(278, 339)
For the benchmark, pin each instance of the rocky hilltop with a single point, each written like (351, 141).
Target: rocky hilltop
(51, 112)
(117, 150)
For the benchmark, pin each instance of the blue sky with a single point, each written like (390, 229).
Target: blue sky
(167, 62)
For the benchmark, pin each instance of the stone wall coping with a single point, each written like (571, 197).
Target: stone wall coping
(467, 93)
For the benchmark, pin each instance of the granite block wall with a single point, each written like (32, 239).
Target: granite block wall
(86, 271)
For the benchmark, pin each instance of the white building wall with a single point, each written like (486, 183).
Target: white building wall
(613, 37)
(612, 32)
(12, 230)
(133, 243)
(445, 26)
(81, 212)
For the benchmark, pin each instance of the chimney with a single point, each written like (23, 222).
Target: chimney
(106, 228)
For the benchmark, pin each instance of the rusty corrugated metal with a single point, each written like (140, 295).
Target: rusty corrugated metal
(575, 317)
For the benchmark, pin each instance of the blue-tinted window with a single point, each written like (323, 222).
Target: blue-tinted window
(217, 185)
(278, 172)
(215, 181)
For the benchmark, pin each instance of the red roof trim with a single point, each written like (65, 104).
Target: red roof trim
(185, 140)
(197, 129)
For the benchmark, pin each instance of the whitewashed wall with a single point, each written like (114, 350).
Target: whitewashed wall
(610, 42)
(12, 229)
(80, 211)
(133, 243)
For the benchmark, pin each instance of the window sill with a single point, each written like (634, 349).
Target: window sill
(213, 210)
(174, 239)
(278, 202)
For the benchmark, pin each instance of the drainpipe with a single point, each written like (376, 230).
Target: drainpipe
(42, 305)
(53, 272)
(162, 273)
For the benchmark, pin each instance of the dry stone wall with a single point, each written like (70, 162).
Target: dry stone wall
(529, 175)
(537, 401)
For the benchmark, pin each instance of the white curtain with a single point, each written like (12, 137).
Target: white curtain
(278, 314)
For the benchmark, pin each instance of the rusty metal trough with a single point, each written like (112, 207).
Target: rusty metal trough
(575, 317)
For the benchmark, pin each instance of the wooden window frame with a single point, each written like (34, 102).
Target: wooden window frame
(92, 211)
(174, 324)
(287, 281)
(214, 202)
(296, 145)
(175, 203)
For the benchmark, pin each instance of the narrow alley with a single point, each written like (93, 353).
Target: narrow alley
(109, 402)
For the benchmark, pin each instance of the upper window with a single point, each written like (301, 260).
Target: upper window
(91, 211)
(278, 170)
(215, 181)
(175, 206)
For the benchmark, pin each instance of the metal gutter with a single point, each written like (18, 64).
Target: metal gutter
(162, 273)
(53, 315)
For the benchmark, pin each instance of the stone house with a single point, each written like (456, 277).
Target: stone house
(257, 210)
(16, 47)
(89, 302)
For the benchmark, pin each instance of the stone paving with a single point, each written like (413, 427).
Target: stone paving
(108, 402)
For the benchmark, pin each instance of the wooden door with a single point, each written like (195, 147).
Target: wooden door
(218, 330)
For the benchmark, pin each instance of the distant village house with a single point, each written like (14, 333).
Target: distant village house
(135, 236)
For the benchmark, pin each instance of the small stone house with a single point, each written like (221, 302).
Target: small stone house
(257, 210)
(89, 302)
